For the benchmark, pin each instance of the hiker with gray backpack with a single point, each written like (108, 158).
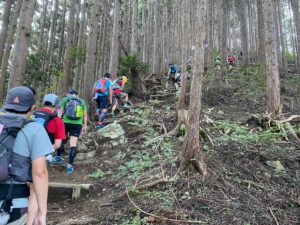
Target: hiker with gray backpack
(24, 145)
(73, 112)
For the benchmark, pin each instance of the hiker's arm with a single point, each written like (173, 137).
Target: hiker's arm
(40, 184)
(60, 112)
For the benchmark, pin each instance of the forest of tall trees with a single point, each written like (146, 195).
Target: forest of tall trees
(73, 42)
(57, 45)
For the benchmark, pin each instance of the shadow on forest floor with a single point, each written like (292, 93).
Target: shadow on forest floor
(254, 173)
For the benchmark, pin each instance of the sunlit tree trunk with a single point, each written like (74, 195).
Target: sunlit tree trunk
(18, 68)
(191, 151)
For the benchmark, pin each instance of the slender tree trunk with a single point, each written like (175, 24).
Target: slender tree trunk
(52, 33)
(66, 80)
(261, 32)
(134, 28)
(282, 38)
(113, 63)
(155, 63)
(90, 63)
(4, 27)
(42, 28)
(80, 45)
(295, 8)
(144, 27)
(272, 71)
(191, 151)
(62, 33)
(223, 44)
(19, 61)
(8, 46)
(240, 4)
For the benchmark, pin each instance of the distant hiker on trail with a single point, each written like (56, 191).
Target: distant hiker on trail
(174, 75)
(119, 94)
(73, 111)
(103, 96)
(218, 63)
(55, 129)
(25, 161)
(231, 62)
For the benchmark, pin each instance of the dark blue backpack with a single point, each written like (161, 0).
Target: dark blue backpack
(173, 69)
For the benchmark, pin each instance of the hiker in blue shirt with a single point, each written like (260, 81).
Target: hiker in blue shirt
(103, 97)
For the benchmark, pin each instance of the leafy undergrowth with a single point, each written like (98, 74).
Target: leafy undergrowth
(253, 173)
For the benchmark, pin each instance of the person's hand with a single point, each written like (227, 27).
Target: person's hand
(40, 219)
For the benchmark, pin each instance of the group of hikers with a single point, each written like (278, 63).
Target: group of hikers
(230, 62)
(31, 139)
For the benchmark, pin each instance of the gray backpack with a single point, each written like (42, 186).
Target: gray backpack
(10, 125)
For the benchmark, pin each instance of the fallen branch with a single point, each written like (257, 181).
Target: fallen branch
(273, 216)
(249, 182)
(162, 217)
(78, 221)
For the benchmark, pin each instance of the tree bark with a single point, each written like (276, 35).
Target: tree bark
(52, 33)
(19, 61)
(134, 28)
(295, 8)
(66, 80)
(90, 63)
(8, 46)
(114, 55)
(191, 151)
(80, 45)
(261, 32)
(223, 44)
(4, 27)
(272, 71)
(62, 33)
(241, 9)
(42, 28)
(155, 58)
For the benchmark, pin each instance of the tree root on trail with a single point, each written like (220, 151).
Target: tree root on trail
(182, 119)
(144, 186)
(161, 218)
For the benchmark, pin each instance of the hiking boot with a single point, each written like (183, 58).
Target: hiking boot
(70, 169)
(126, 106)
(57, 160)
(99, 125)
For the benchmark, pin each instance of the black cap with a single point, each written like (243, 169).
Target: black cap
(72, 92)
(19, 99)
